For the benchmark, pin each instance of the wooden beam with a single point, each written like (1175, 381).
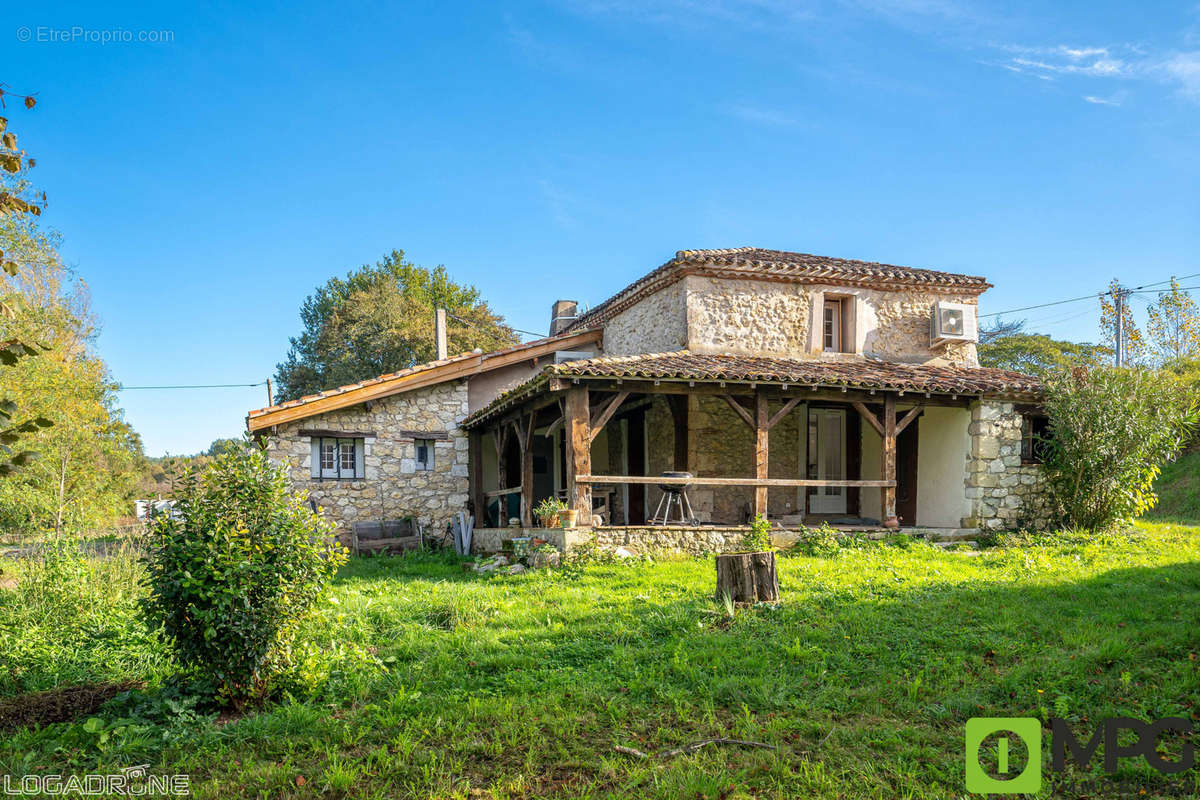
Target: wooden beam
(502, 493)
(912, 414)
(475, 462)
(554, 426)
(579, 452)
(737, 407)
(336, 434)
(783, 412)
(678, 403)
(762, 437)
(500, 438)
(525, 436)
(868, 415)
(783, 482)
(601, 419)
(776, 391)
(889, 461)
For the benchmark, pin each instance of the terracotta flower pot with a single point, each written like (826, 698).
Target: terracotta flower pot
(551, 521)
(569, 517)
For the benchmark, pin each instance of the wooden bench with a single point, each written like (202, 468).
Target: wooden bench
(378, 537)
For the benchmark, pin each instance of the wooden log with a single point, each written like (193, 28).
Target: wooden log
(748, 577)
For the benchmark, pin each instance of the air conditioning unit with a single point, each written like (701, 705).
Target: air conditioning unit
(952, 322)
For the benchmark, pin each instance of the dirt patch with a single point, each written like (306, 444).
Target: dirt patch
(59, 705)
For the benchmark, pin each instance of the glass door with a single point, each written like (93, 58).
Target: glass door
(827, 459)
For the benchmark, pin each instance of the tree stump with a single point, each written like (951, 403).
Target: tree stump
(748, 577)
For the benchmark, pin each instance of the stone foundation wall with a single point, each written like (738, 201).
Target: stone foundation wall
(392, 487)
(691, 540)
(1004, 493)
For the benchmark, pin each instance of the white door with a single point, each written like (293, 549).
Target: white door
(827, 459)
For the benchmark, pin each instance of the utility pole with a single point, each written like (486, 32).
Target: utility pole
(1118, 295)
(270, 394)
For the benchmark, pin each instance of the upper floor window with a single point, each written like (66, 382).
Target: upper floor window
(831, 327)
(337, 458)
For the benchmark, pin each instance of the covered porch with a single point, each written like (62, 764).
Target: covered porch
(861, 445)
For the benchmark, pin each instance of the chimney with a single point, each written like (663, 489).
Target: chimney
(562, 315)
(439, 333)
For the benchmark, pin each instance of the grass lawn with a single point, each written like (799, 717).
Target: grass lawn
(1178, 490)
(438, 683)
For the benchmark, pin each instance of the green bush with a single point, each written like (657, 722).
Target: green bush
(234, 569)
(758, 538)
(1111, 431)
(823, 541)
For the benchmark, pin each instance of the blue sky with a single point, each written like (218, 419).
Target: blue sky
(205, 185)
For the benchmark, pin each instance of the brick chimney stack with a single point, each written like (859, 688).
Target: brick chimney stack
(562, 315)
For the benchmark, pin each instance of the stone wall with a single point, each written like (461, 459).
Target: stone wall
(392, 487)
(1004, 493)
(716, 315)
(722, 446)
(901, 327)
(747, 317)
(656, 324)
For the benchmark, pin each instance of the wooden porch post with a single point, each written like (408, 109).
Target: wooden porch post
(679, 414)
(475, 459)
(889, 461)
(525, 439)
(578, 438)
(762, 430)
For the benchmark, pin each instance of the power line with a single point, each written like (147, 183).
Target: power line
(200, 386)
(1098, 295)
(476, 326)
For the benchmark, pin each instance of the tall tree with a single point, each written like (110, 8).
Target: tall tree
(1174, 325)
(16, 204)
(379, 319)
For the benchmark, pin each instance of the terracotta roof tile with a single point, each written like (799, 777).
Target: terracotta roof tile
(756, 262)
(859, 373)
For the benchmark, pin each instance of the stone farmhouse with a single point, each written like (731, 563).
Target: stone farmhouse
(801, 387)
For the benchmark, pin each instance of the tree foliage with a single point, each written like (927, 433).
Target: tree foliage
(235, 568)
(379, 319)
(89, 457)
(1038, 354)
(1174, 325)
(15, 205)
(1111, 431)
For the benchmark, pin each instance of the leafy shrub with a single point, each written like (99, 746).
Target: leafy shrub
(822, 541)
(1111, 430)
(233, 570)
(758, 538)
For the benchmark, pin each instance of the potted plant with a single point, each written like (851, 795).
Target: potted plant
(569, 517)
(549, 511)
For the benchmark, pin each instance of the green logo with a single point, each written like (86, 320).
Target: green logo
(1028, 730)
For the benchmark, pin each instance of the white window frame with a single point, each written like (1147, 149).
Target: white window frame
(338, 468)
(831, 326)
(427, 464)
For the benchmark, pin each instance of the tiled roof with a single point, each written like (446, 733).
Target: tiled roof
(781, 265)
(349, 387)
(857, 373)
(420, 375)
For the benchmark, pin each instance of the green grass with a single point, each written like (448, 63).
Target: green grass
(1178, 491)
(432, 682)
